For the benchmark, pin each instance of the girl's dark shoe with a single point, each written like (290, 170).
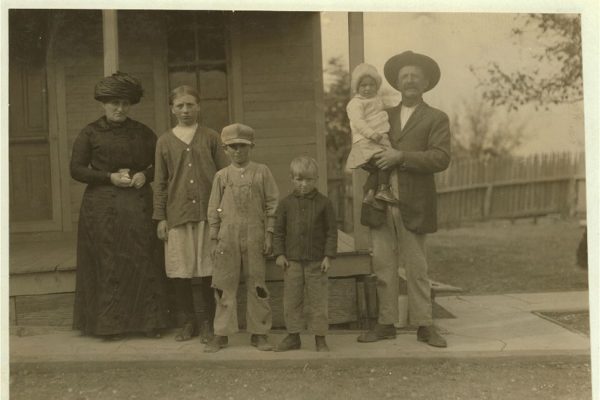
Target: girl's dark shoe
(321, 344)
(290, 342)
(188, 331)
(216, 343)
(206, 332)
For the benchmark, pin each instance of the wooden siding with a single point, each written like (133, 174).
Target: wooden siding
(274, 89)
(278, 73)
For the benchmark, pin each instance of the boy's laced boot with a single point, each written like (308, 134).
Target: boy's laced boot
(372, 201)
(215, 344)
(321, 344)
(290, 342)
(384, 193)
(431, 336)
(260, 342)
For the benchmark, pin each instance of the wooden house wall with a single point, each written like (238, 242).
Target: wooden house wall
(276, 75)
(280, 84)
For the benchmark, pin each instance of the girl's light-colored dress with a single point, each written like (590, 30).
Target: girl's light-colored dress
(367, 118)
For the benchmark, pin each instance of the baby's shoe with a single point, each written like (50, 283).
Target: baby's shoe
(372, 201)
(384, 193)
(321, 344)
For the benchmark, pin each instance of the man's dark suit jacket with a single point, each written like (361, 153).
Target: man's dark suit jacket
(425, 142)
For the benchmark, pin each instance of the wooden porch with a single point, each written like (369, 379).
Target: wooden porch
(42, 282)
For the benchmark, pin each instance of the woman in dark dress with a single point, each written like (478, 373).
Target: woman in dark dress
(121, 281)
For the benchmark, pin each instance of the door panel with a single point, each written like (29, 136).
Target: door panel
(29, 152)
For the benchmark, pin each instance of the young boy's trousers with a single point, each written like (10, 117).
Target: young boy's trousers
(304, 282)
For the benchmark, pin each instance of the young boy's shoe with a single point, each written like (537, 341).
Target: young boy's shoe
(290, 342)
(260, 342)
(215, 344)
(384, 193)
(321, 344)
(372, 201)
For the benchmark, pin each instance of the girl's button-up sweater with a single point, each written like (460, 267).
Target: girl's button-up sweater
(184, 174)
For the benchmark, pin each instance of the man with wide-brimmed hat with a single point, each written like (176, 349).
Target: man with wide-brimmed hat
(420, 138)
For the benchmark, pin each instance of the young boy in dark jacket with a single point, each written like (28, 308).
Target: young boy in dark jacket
(304, 241)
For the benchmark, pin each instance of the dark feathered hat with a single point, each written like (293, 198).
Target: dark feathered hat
(119, 85)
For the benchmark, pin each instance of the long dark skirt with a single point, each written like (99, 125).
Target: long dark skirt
(121, 282)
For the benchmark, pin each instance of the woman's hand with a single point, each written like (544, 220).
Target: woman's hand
(162, 231)
(268, 247)
(138, 180)
(120, 180)
(325, 264)
(282, 261)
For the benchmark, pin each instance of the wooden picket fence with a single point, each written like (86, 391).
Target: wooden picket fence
(511, 187)
(507, 187)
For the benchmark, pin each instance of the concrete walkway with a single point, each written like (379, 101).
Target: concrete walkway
(485, 326)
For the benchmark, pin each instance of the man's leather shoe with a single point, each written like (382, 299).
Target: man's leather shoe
(260, 342)
(290, 342)
(378, 332)
(430, 335)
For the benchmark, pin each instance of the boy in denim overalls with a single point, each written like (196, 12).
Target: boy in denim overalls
(241, 214)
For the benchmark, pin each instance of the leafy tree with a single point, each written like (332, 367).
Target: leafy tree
(482, 131)
(339, 138)
(557, 76)
(337, 95)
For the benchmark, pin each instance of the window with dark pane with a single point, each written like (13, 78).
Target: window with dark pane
(197, 57)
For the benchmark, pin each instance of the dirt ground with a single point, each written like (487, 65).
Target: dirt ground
(399, 379)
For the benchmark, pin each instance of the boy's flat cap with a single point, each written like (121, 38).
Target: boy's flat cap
(237, 133)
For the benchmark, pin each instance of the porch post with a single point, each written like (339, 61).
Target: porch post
(356, 56)
(110, 32)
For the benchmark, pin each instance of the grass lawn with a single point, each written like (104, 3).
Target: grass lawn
(500, 257)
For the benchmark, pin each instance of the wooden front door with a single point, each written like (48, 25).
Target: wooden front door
(30, 152)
